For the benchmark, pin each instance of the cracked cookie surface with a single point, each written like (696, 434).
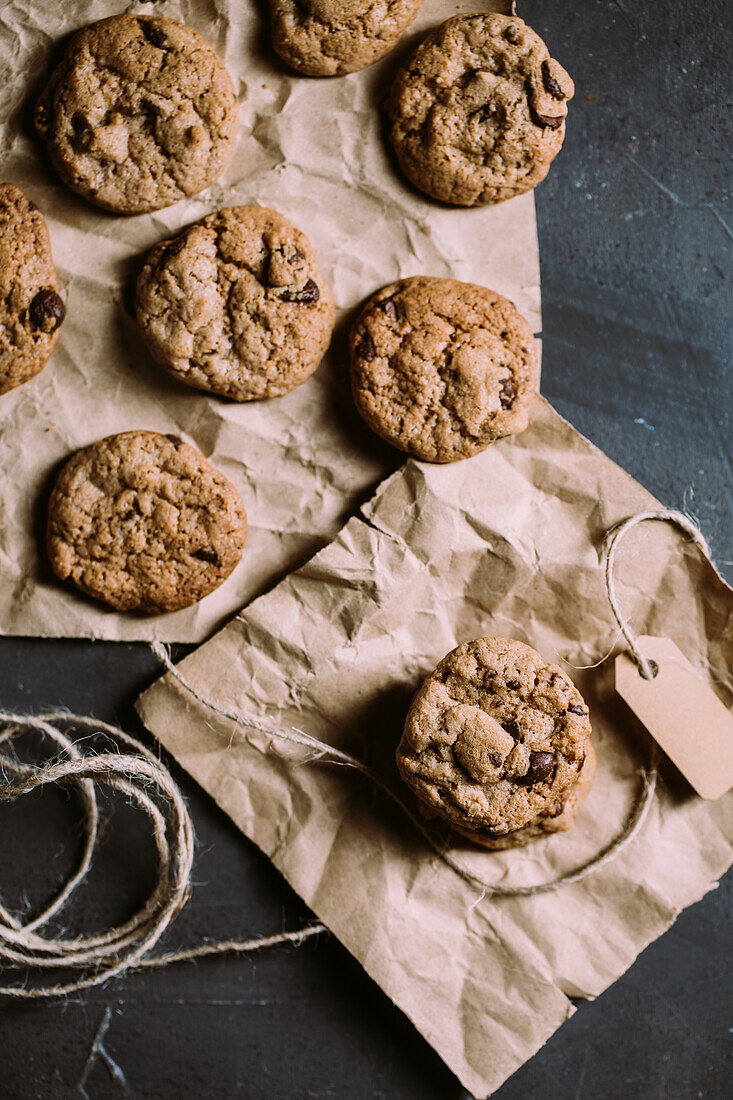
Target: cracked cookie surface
(236, 305)
(440, 369)
(140, 113)
(478, 112)
(328, 38)
(142, 521)
(498, 743)
(31, 309)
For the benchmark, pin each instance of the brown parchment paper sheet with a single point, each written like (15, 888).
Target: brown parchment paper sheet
(506, 543)
(312, 149)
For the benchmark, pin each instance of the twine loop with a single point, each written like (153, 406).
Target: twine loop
(145, 782)
(611, 542)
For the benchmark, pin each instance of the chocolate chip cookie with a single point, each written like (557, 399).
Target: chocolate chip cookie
(31, 309)
(328, 38)
(140, 113)
(440, 369)
(499, 744)
(142, 521)
(236, 305)
(478, 112)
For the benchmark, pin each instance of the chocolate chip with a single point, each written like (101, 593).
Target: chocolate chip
(508, 392)
(575, 709)
(152, 33)
(390, 309)
(513, 684)
(79, 122)
(495, 758)
(550, 83)
(150, 112)
(540, 766)
(557, 810)
(206, 554)
(467, 78)
(309, 293)
(580, 765)
(483, 114)
(175, 439)
(513, 729)
(174, 248)
(46, 311)
(365, 348)
(81, 132)
(548, 122)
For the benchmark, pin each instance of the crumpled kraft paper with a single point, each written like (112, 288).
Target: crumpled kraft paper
(505, 543)
(315, 151)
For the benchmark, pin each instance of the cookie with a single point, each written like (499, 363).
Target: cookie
(236, 305)
(440, 369)
(498, 743)
(31, 309)
(139, 114)
(327, 38)
(142, 521)
(478, 112)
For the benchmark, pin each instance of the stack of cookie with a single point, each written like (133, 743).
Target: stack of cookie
(140, 113)
(497, 743)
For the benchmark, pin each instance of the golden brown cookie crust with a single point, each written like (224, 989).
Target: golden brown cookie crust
(496, 742)
(440, 368)
(140, 113)
(478, 111)
(236, 305)
(142, 521)
(330, 38)
(31, 309)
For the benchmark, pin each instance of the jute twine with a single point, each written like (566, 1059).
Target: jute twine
(610, 548)
(146, 782)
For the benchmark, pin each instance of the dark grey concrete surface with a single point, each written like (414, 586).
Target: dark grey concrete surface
(635, 237)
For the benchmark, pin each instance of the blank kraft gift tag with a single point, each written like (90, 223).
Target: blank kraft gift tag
(682, 713)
